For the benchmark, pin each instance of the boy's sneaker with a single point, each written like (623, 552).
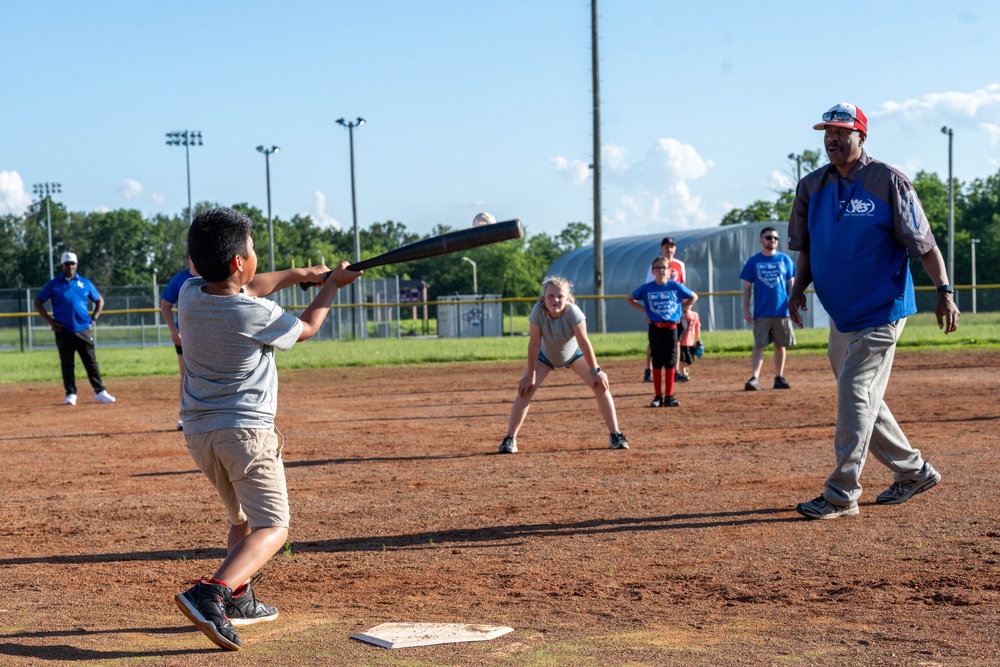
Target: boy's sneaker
(752, 385)
(70, 399)
(104, 397)
(671, 402)
(900, 492)
(680, 377)
(647, 376)
(508, 446)
(780, 383)
(246, 609)
(656, 402)
(180, 424)
(819, 508)
(618, 441)
(205, 605)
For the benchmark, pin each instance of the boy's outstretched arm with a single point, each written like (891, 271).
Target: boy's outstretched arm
(265, 284)
(314, 314)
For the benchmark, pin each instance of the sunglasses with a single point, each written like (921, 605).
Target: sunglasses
(838, 116)
(771, 238)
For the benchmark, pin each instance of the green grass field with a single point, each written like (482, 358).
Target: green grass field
(976, 332)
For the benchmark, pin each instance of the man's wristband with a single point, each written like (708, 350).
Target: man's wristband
(946, 288)
(596, 371)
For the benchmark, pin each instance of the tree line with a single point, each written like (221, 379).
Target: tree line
(122, 247)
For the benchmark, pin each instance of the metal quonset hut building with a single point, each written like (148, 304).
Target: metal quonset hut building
(713, 259)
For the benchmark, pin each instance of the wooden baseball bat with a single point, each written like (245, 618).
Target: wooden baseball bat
(445, 244)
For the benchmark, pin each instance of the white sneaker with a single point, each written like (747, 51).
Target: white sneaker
(104, 397)
(180, 424)
(70, 399)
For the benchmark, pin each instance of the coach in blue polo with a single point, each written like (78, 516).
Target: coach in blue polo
(71, 320)
(856, 223)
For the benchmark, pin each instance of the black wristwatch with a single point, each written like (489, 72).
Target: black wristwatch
(946, 288)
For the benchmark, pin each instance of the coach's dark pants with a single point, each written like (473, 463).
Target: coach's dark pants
(82, 343)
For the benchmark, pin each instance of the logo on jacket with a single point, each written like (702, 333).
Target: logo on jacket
(860, 207)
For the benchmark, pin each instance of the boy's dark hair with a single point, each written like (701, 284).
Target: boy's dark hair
(215, 237)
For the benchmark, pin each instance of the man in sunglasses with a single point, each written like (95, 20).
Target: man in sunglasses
(856, 223)
(768, 276)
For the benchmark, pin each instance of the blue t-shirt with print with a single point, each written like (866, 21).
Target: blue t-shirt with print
(70, 301)
(769, 276)
(662, 302)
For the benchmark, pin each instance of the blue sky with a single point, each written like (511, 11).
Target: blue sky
(480, 106)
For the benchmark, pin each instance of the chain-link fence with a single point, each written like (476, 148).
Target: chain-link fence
(132, 315)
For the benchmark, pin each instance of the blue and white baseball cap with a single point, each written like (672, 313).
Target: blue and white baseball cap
(68, 258)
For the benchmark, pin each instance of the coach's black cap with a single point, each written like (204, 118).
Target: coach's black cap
(668, 240)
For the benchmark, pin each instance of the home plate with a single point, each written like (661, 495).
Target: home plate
(402, 635)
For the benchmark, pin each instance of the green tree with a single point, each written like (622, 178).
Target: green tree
(119, 247)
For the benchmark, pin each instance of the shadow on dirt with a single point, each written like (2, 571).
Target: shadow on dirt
(506, 535)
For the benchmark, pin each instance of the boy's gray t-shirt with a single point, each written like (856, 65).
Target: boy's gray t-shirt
(558, 340)
(230, 380)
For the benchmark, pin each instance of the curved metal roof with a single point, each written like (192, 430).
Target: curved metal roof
(713, 259)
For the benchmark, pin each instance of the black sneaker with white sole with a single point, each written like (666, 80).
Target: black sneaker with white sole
(900, 492)
(205, 605)
(245, 609)
(508, 446)
(618, 441)
(671, 402)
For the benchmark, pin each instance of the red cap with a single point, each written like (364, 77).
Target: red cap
(844, 115)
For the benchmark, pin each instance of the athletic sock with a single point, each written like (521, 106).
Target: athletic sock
(658, 380)
(670, 382)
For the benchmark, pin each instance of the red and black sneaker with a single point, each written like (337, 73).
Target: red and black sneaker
(205, 605)
(245, 609)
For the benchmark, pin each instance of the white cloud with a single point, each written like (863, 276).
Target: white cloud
(780, 181)
(949, 105)
(101, 208)
(651, 193)
(13, 198)
(131, 188)
(156, 198)
(655, 191)
(577, 171)
(614, 158)
(319, 214)
(993, 130)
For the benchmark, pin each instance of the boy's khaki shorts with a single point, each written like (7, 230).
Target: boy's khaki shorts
(777, 330)
(245, 467)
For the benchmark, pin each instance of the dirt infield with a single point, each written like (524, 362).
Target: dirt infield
(684, 550)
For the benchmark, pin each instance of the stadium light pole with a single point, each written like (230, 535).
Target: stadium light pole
(602, 326)
(270, 225)
(973, 243)
(475, 283)
(951, 208)
(186, 138)
(350, 125)
(798, 165)
(48, 189)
